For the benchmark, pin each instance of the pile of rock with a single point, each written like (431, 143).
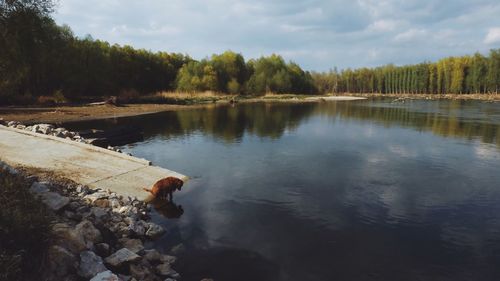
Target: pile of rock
(99, 235)
(51, 130)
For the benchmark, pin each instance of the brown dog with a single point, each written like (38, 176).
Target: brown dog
(165, 187)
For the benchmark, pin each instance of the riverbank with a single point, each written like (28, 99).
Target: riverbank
(91, 234)
(58, 114)
(482, 97)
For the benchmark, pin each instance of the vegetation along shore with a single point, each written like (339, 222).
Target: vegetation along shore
(46, 64)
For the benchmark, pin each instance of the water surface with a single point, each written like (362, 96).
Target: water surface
(358, 190)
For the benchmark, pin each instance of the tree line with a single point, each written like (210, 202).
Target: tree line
(454, 75)
(38, 58)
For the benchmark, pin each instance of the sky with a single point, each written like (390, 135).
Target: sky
(318, 35)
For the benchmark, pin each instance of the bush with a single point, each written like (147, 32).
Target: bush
(24, 230)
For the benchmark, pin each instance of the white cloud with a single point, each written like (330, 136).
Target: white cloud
(493, 36)
(410, 35)
(317, 34)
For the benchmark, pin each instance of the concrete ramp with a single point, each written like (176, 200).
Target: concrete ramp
(85, 164)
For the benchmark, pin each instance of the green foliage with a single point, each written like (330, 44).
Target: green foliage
(24, 230)
(453, 75)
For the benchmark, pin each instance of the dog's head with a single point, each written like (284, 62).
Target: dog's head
(179, 184)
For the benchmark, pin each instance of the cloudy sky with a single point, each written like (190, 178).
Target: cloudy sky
(317, 34)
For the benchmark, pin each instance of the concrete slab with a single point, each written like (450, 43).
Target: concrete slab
(85, 164)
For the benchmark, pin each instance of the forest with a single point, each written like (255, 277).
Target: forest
(40, 60)
(477, 74)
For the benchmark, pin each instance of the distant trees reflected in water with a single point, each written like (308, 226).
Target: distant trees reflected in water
(464, 119)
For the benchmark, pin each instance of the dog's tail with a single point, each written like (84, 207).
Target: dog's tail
(148, 190)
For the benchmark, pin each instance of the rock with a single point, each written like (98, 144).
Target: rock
(99, 213)
(165, 269)
(72, 216)
(90, 265)
(44, 128)
(81, 237)
(12, 123)
(105, 276)
(122, 256)
(73, 206)
(125, 277)
(128, 211)
(152, 255)
(154, 231)
(103, 203)
(39, 187)
(168, 259)
(95, 196)
(102, 249)
(54, 201)
(114, 203)
(141, 272)
(61, 262)
(134, 245)
(89, 233)
(138, 227)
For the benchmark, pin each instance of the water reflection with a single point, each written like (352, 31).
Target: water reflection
(167, 208)
(464, 119)
(368, 190)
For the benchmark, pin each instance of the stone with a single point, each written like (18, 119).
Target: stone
(154, 231)
(125, 277)
(39, 187)
(61, 262)
(90, 265)
(128, 210)
(138, 227)
(73, 206)
(134, 245)
(168, 259)
(141, 272)
(102, 249)
(72, 216)
(95, 196)
(122, 256)
(165, 269)
(81, 237)
(54, 201)
(99, 213)
(152, 255)
(114, 203)
(105, 276)
(103, 203)
(90, 234)
(45, 128)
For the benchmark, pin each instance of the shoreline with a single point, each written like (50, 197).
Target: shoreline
(60, 114)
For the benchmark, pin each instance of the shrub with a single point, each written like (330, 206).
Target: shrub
(24, 229)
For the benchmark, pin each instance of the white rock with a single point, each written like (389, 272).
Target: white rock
(165, 269)
(122, 256)
(95, 196)
(90, 265)
(134, 245)
(105, 276)
(54, 201)
(154, 231)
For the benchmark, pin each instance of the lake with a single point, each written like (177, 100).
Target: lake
(358, 190)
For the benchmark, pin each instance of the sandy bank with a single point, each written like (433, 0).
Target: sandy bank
(78, 113)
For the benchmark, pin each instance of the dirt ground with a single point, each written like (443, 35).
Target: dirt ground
(75, 113)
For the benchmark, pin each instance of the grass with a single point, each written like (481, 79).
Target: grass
(24, 230)
(183, 98)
